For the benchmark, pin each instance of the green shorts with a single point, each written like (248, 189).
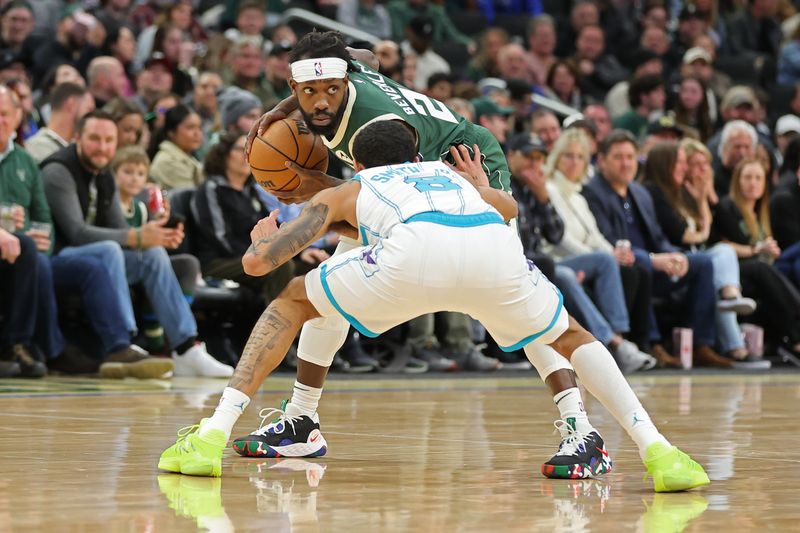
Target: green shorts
(494, 160)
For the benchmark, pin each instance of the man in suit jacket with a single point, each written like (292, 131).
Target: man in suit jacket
(624, 211)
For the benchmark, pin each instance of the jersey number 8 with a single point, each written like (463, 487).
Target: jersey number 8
(433, 183)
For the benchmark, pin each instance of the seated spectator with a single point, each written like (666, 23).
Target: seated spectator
(120, 44)
(484, 64)
(29, 122)
(89, 221)
(787, 128)
(239, 109)
(624, 210)
(563, 84)
(440, 86)
(647, 98)
(542, 45)
(246, 70)
(228, 204)
(69, 103)
(419, 41)
(173, 162)
(784, 207)
(697, 62)
(177, 15)
(32, 319)
(513, 64)
(601, 119)
(153, 81)
(77, 41)
(683, 212)
(738, 141)
(643, 62)
(57, 75)
(251, 17)
(390, 58)
(691, 107)
(546, 126)
(583, 13)
(754, 32)
(131, 167)
(204, 100)
(742, 220)
(365, 14)
(17, 283)
(584, 249)
(402, 11)
(492, 117)
(276, 69)
(16, 25)
(598, 70)
(106, 80)
(129, 119)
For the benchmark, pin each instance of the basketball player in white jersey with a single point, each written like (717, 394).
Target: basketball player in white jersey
(434, 240)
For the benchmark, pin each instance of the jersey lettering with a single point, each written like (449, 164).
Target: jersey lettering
(425, 105)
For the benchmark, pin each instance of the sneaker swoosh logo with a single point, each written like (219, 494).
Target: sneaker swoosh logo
(315, 438)
(601, 451)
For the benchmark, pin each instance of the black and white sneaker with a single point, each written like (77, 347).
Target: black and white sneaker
(284, 436)
(579, 456)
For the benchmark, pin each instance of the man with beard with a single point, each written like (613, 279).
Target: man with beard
(89, 221)
(78, 40)
(338, 92)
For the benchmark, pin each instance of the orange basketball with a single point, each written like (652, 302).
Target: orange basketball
(286, 140)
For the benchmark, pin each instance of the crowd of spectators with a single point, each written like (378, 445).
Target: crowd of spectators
(654, 147)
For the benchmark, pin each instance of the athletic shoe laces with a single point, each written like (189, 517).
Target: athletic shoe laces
(184, 434)
(573, 441)
(268, 413)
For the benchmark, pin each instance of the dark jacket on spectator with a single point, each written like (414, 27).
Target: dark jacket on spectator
(608, 71)
(784, 209)
(605, 204)
(79, 218)
(227, 217)
(672, 223)
(54, 53)
(748, 37)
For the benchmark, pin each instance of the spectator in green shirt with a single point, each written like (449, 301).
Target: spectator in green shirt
(647, 98)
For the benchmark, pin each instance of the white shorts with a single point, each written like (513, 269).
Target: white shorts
(424, 267)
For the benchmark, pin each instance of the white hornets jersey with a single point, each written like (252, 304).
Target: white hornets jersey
(427, 192)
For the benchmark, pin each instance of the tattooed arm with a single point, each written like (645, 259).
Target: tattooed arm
(273, 246)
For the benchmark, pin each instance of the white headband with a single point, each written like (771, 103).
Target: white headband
(320, 68)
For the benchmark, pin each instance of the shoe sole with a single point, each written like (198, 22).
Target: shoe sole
(668, 483)
(203, 468)
(739, 309)
(170, 465)
(150, 369)
(256, 448)
(577, 471)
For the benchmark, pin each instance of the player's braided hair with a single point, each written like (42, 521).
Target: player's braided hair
(322, 44)
(386, 142)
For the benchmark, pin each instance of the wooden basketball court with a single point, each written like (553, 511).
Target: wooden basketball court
(406, 454)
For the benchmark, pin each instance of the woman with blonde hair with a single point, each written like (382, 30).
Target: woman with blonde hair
(684, 214)
(742, 220)
(584, 249)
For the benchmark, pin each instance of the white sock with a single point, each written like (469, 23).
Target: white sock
(601, 376)
(231, 406)
(570, 405)
(304, 400)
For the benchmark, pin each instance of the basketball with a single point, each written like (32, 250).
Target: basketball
(286, 140)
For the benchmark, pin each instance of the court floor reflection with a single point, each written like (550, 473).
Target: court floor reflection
(405, 455)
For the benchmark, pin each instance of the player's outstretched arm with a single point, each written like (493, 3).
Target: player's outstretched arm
(472, 169)
(273, 246)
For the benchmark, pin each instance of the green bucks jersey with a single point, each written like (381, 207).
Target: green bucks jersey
(373, 97)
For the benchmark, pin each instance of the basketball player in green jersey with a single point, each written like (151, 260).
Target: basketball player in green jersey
(337, 105)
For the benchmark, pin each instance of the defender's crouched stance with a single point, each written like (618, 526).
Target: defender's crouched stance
(433, 240)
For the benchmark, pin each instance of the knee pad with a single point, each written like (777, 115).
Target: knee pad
(321, 338)
(545, 359)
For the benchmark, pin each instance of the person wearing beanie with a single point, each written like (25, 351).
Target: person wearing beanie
(239, 109)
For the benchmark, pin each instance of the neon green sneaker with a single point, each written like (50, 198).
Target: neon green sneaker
(195, 455)
(672, 512)
(673, 470)
(193, 497)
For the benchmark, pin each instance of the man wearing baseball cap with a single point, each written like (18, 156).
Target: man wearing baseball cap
(492, 117)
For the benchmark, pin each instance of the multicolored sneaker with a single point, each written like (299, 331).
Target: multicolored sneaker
(672, 512)
(673, 470)
(284, 436)
(579, 456)
(195, 455)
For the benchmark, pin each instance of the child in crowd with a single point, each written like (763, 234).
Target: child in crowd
(131, 167)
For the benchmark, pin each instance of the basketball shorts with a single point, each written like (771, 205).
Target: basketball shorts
(426, 267)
